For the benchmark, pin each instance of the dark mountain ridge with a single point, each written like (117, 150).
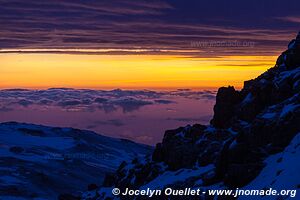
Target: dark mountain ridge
(248, 127)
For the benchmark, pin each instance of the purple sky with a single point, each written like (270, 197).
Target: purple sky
(160, 27)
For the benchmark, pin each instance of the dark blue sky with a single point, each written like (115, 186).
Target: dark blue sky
(152, 25)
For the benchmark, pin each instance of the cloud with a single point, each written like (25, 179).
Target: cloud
(100, 100)
(294, 19)
(5, 109)
(245, 65)
(24, 102)
(108, 108)
(145, 27)
(203, 94)
(69, 103)
(89, 100)
(82, 99)
(131, 104)
(45, 102)
(163, 101)
(110, 122)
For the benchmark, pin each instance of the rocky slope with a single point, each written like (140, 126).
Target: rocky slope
(250, 129)
(39, 162)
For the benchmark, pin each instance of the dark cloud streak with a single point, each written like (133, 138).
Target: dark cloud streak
(156, 27)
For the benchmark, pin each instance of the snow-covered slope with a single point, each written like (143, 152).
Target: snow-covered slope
(39, 161)
(281, 171)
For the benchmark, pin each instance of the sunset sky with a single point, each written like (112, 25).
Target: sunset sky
(141, 44)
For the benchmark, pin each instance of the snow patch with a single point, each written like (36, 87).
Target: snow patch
(288, 109)
(268, 115)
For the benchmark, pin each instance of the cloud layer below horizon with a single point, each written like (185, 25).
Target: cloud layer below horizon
(88, 100)
(139, 115)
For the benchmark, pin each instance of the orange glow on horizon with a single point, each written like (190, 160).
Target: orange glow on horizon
(26, 70)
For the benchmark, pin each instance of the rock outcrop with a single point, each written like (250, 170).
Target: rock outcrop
(248, 126)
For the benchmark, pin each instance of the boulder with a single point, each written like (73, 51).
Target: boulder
(224, 109)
